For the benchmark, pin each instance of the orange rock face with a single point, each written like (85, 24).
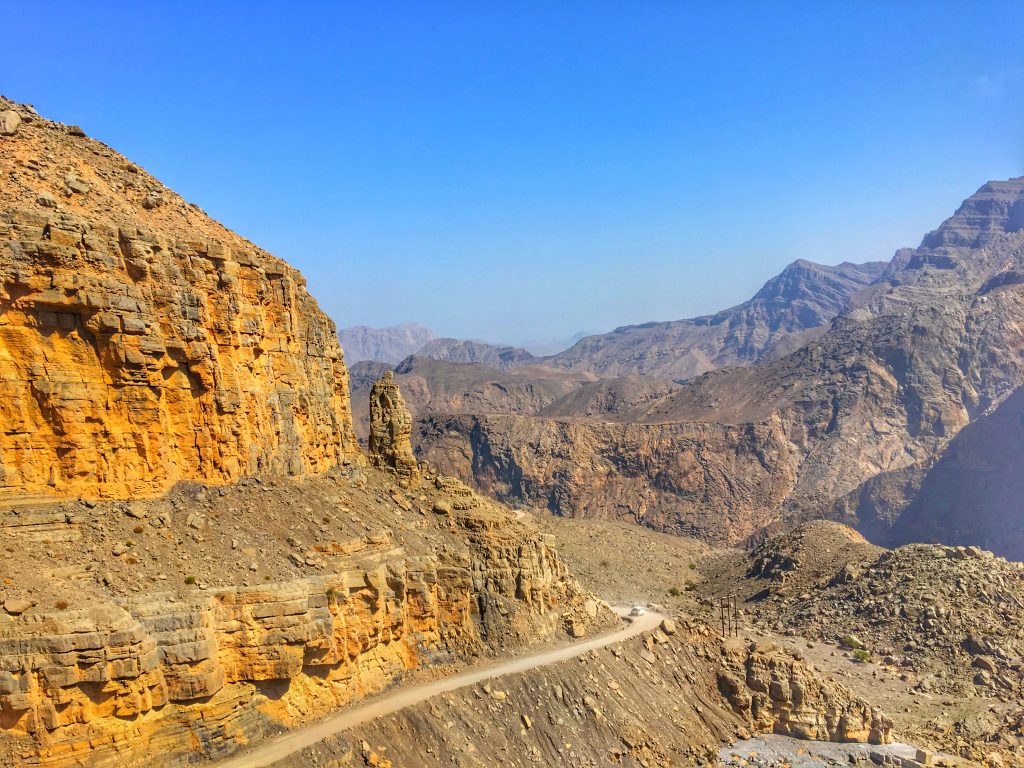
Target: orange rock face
(142, 343)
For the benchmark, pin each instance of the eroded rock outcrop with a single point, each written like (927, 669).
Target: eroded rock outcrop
(391, 429)
(141, 342)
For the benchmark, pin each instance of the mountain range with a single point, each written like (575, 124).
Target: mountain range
(843, 394)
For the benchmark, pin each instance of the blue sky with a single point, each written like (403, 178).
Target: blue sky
(522, 171)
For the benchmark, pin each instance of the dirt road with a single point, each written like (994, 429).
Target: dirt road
(281, 747)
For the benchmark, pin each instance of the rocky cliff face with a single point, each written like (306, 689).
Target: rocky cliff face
(717, 482)
(391, 429)
(142, 343)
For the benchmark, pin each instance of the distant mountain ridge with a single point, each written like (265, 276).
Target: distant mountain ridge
(386, 345)
(466, 351)
(787, 311)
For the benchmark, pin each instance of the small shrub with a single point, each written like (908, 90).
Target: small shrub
(131, 561)
(675, 592)
(861, 655)
(691, 586)
(129, 543)
(332, 595)
(327, 518)
(692, 566)
(267, 577)
(61, 605)
(138, 529)
(190, 580)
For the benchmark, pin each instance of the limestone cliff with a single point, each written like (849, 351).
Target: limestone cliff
(147, 351)
(656, 700)
(141, 342)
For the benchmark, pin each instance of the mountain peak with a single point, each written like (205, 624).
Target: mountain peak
(996, 209)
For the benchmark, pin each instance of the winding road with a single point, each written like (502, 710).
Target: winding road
(287, 744)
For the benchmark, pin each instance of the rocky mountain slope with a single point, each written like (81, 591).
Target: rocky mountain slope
(197, 552)
(845, 427)
(787, 311)
(386, 345)
(657, 700)
(974, 493)
(934, 627)
(142, 342)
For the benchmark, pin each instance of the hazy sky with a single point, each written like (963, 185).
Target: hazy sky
(518, 171)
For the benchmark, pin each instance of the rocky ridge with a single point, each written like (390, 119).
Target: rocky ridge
(386, 345)
(785, 313)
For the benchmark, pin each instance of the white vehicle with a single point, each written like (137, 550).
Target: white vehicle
(638, 610)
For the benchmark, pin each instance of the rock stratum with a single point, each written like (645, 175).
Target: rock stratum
(92, 673)
(141, 342)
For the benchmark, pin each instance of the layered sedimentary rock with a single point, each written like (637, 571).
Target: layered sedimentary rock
(145, 349)
(114, 683)
(391, 429)
(142, 343)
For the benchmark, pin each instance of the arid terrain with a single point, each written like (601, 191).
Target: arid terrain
(215, 547)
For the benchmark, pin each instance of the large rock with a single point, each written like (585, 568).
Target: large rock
(9, 122)
(391, 429)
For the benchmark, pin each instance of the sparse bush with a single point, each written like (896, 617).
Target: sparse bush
(327, 518)
(692, 566)
(266, 577)
(131, 561)
(129, 543)
(190, 580)
(675, 591)
(138, 529)
(332, 595)
(861, 655)
(61, 605)
(691, 586)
